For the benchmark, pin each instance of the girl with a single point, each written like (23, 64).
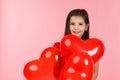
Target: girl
(77, 23)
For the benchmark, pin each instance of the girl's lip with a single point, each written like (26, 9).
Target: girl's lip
(76, 32)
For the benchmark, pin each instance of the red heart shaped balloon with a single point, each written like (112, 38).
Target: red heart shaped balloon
(79, 66)
(70, 43)
(45, 68)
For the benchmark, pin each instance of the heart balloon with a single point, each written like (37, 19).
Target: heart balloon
(45, 68)
(70, 43)
(32, 70)
(79, 66)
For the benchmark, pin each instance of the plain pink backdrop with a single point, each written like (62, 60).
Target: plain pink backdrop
(27, 27)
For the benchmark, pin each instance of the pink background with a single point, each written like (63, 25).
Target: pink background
(27, 27)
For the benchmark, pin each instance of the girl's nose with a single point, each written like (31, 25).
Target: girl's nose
(76, 27)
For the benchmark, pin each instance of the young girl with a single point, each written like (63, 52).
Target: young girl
(77, 23)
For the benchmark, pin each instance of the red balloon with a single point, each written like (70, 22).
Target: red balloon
(62, 61)
(32, 70)
(57, 45)
(45, 68)
(78, 67)
(70, 43)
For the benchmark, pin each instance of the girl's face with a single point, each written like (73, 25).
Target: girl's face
(78, 26)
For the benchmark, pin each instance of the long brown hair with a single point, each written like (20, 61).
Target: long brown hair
(77, 12)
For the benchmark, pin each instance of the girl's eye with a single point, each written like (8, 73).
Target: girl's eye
(72, 23)
(80, 24)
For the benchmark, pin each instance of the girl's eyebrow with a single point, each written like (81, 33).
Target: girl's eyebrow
(71, 22)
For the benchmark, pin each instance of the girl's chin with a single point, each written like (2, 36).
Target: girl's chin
(77, 35)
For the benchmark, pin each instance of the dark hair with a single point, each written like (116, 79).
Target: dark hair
(77, 12)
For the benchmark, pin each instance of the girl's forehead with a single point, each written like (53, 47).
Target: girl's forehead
(76, 18)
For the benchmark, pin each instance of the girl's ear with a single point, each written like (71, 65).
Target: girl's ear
(86, 27)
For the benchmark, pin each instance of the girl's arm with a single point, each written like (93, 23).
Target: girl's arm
(96, 70)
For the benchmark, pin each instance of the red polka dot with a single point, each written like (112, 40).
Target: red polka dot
(48, 54)
(76, 59)
(71, 70)
(67, 42)
(33, 68)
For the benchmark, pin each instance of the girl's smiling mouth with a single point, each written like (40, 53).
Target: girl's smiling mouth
(76, 32)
